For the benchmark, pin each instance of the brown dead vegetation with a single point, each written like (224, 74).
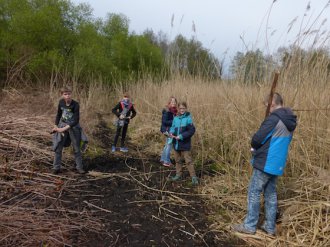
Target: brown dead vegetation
(123, 201)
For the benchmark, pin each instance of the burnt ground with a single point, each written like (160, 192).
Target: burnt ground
(136, 204)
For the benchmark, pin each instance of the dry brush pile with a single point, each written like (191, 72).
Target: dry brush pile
(31, 207)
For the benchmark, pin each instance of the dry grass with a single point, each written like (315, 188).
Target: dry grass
(32, 212)
(226, 115)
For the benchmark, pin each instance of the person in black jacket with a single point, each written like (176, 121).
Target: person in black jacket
(168, 114)
(67, 124)
(125, 111)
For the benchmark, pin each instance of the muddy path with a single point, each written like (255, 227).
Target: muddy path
(136, 204)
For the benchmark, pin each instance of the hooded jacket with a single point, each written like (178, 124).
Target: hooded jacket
(183, 127)
(118, 109)
(271, 142)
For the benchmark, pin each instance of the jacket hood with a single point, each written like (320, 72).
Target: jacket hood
(287, 117)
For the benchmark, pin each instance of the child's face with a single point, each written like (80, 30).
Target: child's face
(67, 96)
(173, 103)
(126, 99)
(182, 109)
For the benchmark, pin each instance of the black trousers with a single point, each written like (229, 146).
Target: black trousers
(123, 130)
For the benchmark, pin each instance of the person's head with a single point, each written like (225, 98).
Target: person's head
(182, 108)
(126, 97)
(277, 102)
(172, 102)
(66, 93)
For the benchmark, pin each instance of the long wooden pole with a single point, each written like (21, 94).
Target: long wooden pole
(272, 91)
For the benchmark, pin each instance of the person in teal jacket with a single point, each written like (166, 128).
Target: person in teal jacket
(181, 131)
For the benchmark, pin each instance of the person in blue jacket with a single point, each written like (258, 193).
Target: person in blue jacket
(269, 146)
(168, 114)
(181, 131)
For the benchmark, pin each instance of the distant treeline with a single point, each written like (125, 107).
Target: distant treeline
(293, 62)
(42, 40)
(57, 41)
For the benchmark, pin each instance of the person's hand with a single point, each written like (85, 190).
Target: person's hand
(121, 117)
(60, 130)
(54, 130)
(174, 137)
(63, 129)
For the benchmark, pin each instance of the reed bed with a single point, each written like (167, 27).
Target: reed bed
(226, 114)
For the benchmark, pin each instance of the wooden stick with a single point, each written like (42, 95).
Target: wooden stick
(272, 91)
(102, 209)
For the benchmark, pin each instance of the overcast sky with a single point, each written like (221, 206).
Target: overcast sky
(223, 26)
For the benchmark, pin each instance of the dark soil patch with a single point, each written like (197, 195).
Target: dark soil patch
(139, 216)
(136, 203)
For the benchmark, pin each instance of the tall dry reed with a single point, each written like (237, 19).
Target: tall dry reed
(226, 114)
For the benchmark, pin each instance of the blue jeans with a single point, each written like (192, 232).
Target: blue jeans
(266, 183)
(166, 154)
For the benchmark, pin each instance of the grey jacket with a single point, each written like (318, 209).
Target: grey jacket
(57, 138)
